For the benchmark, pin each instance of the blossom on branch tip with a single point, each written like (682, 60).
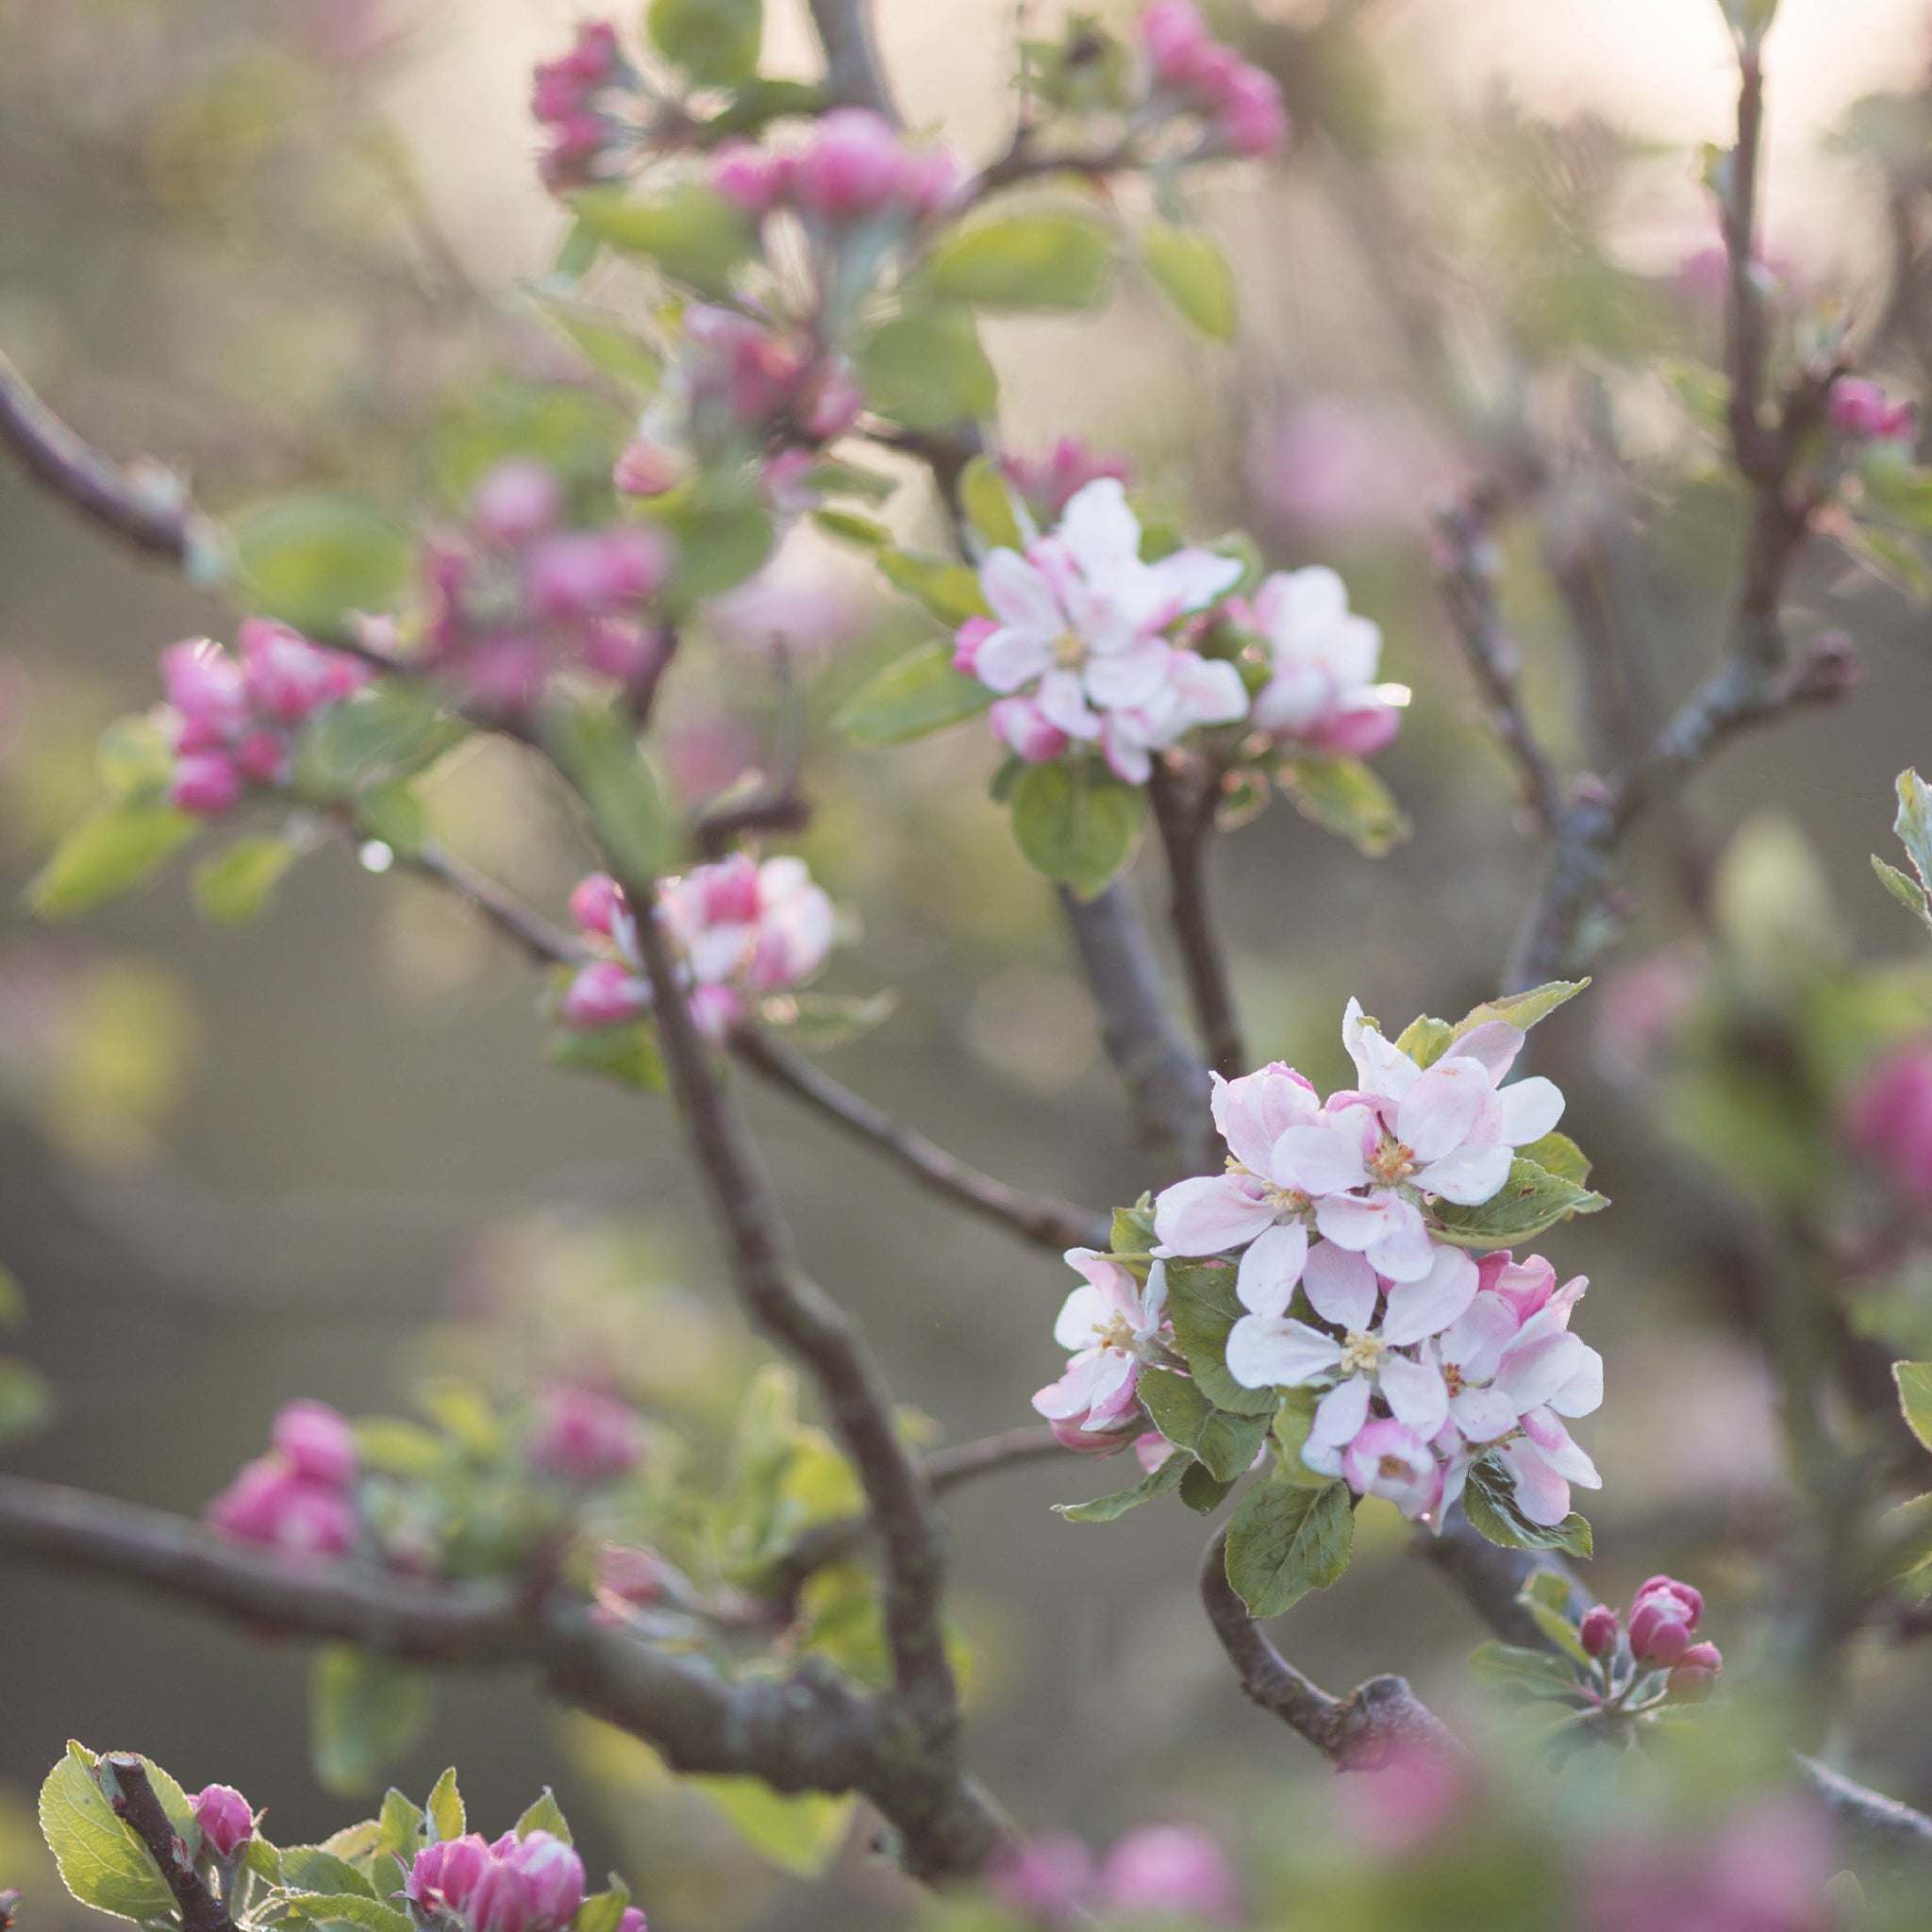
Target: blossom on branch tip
(1241, 103)
(1111, 1327)
(584, 1437)
(226, 1820)
(1320, 690)
(318, 1443)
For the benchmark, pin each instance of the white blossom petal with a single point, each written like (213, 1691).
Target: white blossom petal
(1482, 1414)
(1210, 1214)
(1019, 594)
(1530, 1109)
(1340, 1286)
(1271, 1266)
(1416, 1393)
(1420, 1309)
(1381, 1065)
(1318, 1159)
(1437, 1113)
(1265, 1351)
(1339, 1415)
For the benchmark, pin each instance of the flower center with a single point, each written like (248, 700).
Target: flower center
(1394, 1468)
(1452, 1377)
(1117, 1333)
(1392, 1162)
(1358, 1353)
(1069, 650)
(1289, 1204)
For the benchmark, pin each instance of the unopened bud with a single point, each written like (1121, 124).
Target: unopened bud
(226, 1821)
(1694, 1675)
(1599, 1630)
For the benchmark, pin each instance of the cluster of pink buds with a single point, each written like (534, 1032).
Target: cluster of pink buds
(740, 930)
(226, 1821)
(1162, 1871)
(300, 1497)
(529, 1884)
(855, 170)
(1240, 105)
(564, 95)
(1664, 1614)
(232, 720)
(1888, 1118)
(583, 1438)
(524, 593)
(1862, 411)
(1048, 483)
(750, 382)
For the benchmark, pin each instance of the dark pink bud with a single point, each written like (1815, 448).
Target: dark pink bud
(832, 400)
(726, 892)
(621, 650)
(517, 501)
(1888, 1117)
(557, 92)
(445, 1874)
(1693, 1677)
(1692, 1601)
(287, 677)
(1860, 409)
(967, 641)
(850, 168)
(205, 685)
(555, 1876)
(1599, 1630)
(1175, 1871)
(1020, 725)
(502, 1901)
(596, 57)
(633, 1920)
(603, 993)
(583, 1436)
(1069, 1434)
(225, 1819)
(1175, 36)
(314, 1521)
(262, 757)
(752, 178)
(595, 904)
(318, 1443)
(249, 1506)
(1660, 1626)
(205, 783)
(1249, 115)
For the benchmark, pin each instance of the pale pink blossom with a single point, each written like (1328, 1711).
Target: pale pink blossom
(1862, 410)
(1321, 688)
(1111, 1327)
(445, 1874)
(1765, 1871)
(517, 501)
(1170, 1871)
(1388, 1459)
(1045, 1879)
(318, 1443)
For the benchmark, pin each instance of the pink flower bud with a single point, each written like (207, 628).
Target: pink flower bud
(583, 1436)
(502, 1900)
(832, 400)
(557, 92)
(249, 1506)
(931, 180)
(517, 501)
(1175, 36)
(596, 56)
(1689, 1599)
(967, 641)
(204, 684)
(727, 892)
(715, 1010)
(225, 1819)
(603, 993)
(633, 1920)
(1888, 1117)
(620, 649)
(1048, 483)
(1020, 725)
(263, 758)
(1693, 1677)
(1662, 1616)
(1248, 113)
(287, 677)
(595, 904)
(752, 178)
(318, 1443)
(1046, 1879)
(1106, 1439)
(1172, 1871)
(1600, 1630)
(555, 1876)
(445, 1874)
(850, 168)
(314, 1521)
(646, 468)
(1861, 410)
(590, 573)
(205, 783)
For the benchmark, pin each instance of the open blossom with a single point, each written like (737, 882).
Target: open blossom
(740, 928)
(1112, 1325)
(1169, 1871)
(1076, 644)
(1319, 690)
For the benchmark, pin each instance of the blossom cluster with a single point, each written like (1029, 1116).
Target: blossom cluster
(854, 168)
(565, 97)
(232, 719)
(740, 929)
(521, 591)
(1046, 484)
(1664, 1615)
(1862, 410)
(1424, 1357)
(1240, 105)
(1164, 1872)
(529, 1884)
(1089, 645)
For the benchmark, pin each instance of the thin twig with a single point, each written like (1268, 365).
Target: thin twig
(853, 75)
(125, 1780)
(1035, 1218)
(532, 933)
(1184, 803)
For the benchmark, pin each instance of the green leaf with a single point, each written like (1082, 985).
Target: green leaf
(1489, 1500)
(1202, 1490)
(310, 1868)
(444, 1809)
(27, 1400)
(800, 1833)
(313, 561)
(1913, 823)
(924, 368)
(595, 746)
(1531, 1200)
(1521, 1009)
(1532, 1672)
(1914, 1381)
(690, 231)
(386, 731)
(722, 532)
(1425, 1040)
(1076, 825)
(102, 1863)
(544, 1815)
(1107, 1508)
(605, 342)
(332, 1909)
(603, 1911)
(1133, 1229)
(715, 41)
(395, 815)
(1188, 267)
(1225, 1445)
(1044, 259)
(134, 758)
(867, 532)
(1909, 1533)
(354, 1845)
(399, 1828)
(913, 696)
(989, 505)
(110, 852)
(1284, 1541)
(949, 590)
(627, 1054)
(1202, 1307)
(1343, 796)
(1290, 1427)
(1546, 1599)
(238, 886)
(822, 1022)
(466, 1412)
(1557, 1154)
(365, 1712)
(1911, 897)
(396, 1447)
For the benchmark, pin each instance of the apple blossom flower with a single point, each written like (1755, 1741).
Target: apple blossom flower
(1320, 690)
(1861, 410)
(1388, 1459)
(318, 1443)
(226, 1820)
(1889, 1118)
(554, 1872)
(445, 1876)
(1045, 1879)
(1170, 1871)
(583, 1436)
(1079, 623)
(1111, 1326)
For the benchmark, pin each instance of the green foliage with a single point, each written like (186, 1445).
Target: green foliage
(628, 1055)
(1290, 1425)
(715, 41)
(134, 760)
(1914, 1381)
(365, 1712)
(27, 1400)
(1078, 824)
(689, 231)
(1225, 1444)
(1557, 1154)
(799, 1832)
(1047, 258)
(1109, 1509)
(925, 369)
(914, 695)
(603, 1911)
(609, 345)
(444, 1813)
(1285, 1540)
(991, 506)
(595, 746)
(722, 531)
(1913, 826)
(115, 848)
(387, 732)
(1530, 1201)
(1202, 1307)
(101, 1861)
(1546, 1600)
(314, 1867)
(1489, 1500)
(949, 590)
(822, 1021)
(1187, 265)
(1527, 1672)
(544, 1815)
(1343, 796)
(314, 560)
(239, 886)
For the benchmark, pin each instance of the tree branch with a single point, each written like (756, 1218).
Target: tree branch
(1167, 1085)
(1035, 1218)
(1184, 804)
(132, 1796)
(853, 75)
(1359, 1732)
(536, 936)
(151, 511)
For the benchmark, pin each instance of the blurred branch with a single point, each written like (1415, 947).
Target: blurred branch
(135, 1804)
(1039, 1219)
(854, 73)
(1184, 806)
(535, 935)
(1356, 1733)
(151, 511)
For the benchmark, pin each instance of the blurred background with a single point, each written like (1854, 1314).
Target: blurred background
(281, 242)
